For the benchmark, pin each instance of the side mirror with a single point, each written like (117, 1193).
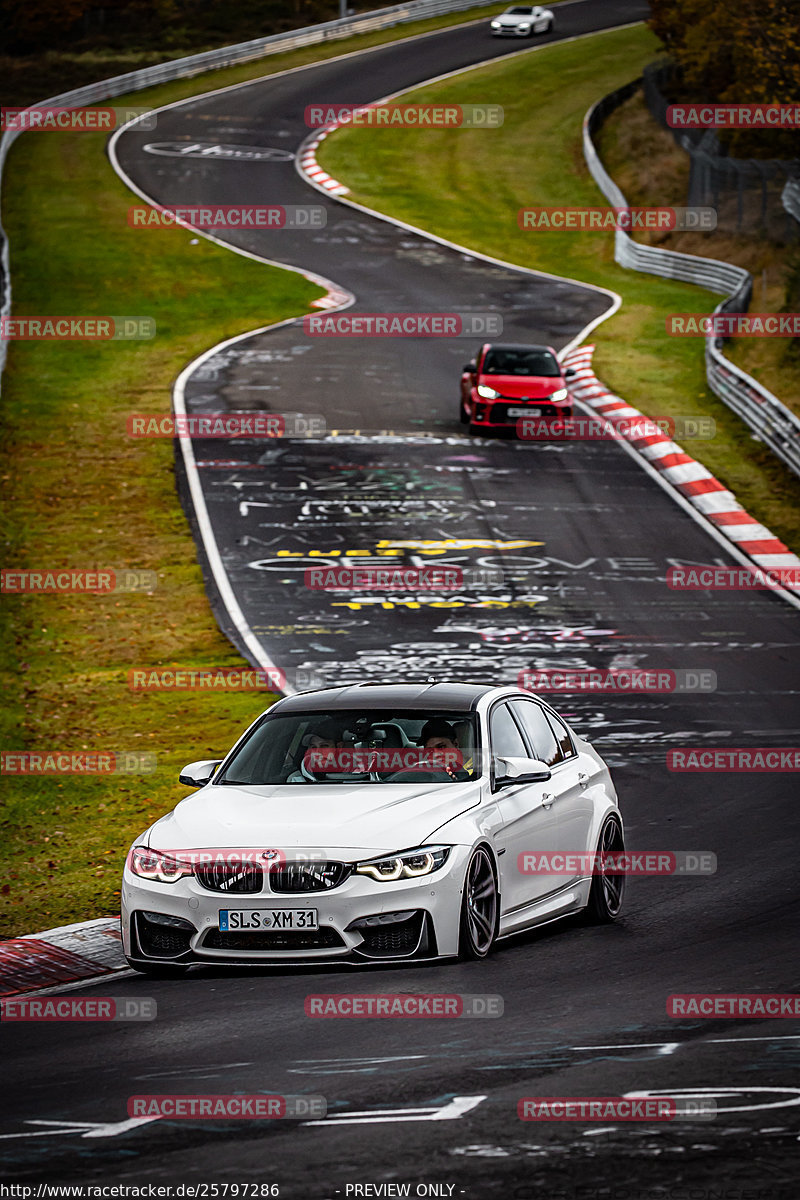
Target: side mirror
(570, 373)
(470, 368)
(197, 774)
(508, 771)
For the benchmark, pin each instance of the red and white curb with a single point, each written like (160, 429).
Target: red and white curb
(313, 171)
(690, 478)
(310, 170)
(64, 955)
(333, 298)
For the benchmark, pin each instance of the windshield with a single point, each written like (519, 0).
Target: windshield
(521, 362)
(520, 12)
(362, 746)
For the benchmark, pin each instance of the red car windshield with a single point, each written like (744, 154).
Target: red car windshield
(521, 362)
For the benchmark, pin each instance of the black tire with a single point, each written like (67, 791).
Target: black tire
(157, 970)
(480, 907)
(607, 891)
(463, 415)
(549, 26)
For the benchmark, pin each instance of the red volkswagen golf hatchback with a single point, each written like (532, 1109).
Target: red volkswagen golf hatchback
(508, 381)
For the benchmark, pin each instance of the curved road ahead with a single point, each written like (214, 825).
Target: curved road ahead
(585, 1009)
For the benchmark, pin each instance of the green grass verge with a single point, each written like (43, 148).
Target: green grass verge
(79, 492)
(467, 185)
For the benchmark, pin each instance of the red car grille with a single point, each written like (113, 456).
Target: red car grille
(498, 412)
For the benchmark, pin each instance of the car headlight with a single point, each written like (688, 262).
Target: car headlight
(410, 864)
(495, 24)
(561, 394)
(487, 392)
(153, 864)
(523, 25)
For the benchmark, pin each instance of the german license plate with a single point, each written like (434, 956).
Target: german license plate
(257, 920)
(523, 412)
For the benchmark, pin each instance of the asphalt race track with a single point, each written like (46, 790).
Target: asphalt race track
(583, 537)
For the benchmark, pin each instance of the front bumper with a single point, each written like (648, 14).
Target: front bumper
(362, 920)
(493, 414)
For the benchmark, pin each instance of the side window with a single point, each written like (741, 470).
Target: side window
(506, 739)
(562, 734)
(536, 726)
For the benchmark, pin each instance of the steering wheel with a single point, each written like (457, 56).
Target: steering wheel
(432, 775)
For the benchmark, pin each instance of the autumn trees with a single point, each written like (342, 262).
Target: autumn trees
(747, 50)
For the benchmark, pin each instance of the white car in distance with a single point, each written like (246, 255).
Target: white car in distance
(522, 20)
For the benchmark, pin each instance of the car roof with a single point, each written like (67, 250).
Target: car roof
(519, 346)
(449, 697)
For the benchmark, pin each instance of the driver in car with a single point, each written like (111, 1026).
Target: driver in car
(439, 735)
(328, 736)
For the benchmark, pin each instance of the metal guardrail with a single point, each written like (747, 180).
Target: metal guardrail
(790, 198)
(776, 425)
(210, 60)
(746, 192)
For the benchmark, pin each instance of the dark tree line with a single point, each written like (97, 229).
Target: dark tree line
(734, 51)
(33, 26)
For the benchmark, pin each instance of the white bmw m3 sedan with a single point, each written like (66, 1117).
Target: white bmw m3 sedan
(522, 20)
(376, 823)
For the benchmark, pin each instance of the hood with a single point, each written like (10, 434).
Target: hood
(517, 386)
(350, 819)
